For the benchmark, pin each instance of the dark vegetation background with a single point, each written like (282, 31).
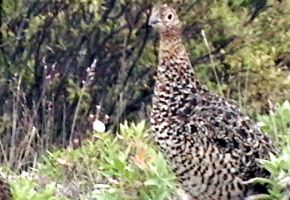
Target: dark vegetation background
(61, 58)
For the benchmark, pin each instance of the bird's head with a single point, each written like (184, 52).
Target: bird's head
(164, 19)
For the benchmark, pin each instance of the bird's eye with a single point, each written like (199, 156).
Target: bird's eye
(169, 16)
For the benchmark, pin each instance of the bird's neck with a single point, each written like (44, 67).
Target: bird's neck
(174, 65)
(175, 92)
(176, 88)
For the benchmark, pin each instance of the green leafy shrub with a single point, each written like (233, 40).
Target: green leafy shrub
(277, 124)
(279, 182)
(25, 189)
(124, 166)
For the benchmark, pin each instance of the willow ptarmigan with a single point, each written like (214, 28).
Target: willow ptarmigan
(211, 146)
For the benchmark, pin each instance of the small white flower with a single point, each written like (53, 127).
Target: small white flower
(99, 126)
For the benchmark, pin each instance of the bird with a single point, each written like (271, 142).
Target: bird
(5, 192)
(212, 147)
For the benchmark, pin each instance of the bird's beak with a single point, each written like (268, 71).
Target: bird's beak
(153, 20)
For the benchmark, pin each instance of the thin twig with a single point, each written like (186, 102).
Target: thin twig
(15, 118)
(211, 61)
(76, 115)
(90, 76)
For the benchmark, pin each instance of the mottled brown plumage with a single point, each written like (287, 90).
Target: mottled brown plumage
(211, 146)
(5, 193)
